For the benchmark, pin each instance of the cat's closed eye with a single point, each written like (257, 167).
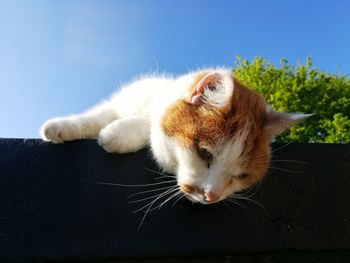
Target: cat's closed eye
(205, 154)
(241, 176)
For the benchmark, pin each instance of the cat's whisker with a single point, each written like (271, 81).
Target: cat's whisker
(251, 191)
(290, 161)
(166, 200)
(236, 202)
(248, 191)
(281, 147)
(150, 197)
(282, 169)
(229, 202)
(164, 175)
(223, 203)
(156, 172)
(165, 178)
(155, 198)
(249, 199)
(149, 191)
(169, 198)
(178, 199)
(149, 205)
(135, 185)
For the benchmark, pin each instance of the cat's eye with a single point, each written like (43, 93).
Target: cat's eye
(204, 154)
(241, 176)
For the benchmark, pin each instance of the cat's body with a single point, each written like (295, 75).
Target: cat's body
(206, 128)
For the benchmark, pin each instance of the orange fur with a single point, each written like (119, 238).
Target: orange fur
(206, 125)
(187, 188)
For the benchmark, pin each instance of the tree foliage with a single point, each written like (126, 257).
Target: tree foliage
(305, 89)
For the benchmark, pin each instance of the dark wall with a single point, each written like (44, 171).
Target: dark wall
(52, 208)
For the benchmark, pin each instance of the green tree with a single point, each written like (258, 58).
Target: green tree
(305, 89)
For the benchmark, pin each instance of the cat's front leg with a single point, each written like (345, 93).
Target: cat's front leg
(125, 135)
(80, 126)
(62, 129)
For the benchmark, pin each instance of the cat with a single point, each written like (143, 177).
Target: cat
(205, 127)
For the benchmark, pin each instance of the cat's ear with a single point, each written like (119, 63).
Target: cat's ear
(204, 89)
(277, 122)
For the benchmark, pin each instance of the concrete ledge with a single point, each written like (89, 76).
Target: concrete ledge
(51, 208)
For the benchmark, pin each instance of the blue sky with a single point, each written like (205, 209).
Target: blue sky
(61, 57)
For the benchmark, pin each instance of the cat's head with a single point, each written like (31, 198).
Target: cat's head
(218, 136)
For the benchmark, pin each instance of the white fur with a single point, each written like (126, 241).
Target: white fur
(130, 120)
(223, 90)
(128, 134)
(145, 99)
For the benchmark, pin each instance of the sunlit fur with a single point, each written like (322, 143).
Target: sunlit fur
(206, 109)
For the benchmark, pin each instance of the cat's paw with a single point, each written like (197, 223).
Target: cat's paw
(60, 129)
(118, 137)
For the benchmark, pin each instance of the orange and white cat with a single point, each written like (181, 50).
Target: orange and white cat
(205, 127)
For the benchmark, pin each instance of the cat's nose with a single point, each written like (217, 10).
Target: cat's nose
(210, 196)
